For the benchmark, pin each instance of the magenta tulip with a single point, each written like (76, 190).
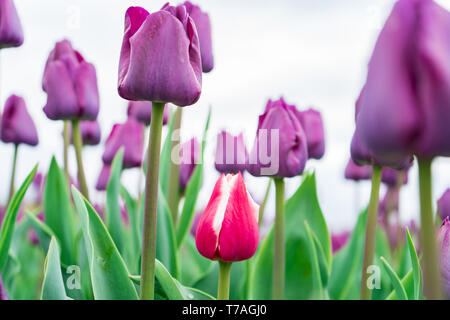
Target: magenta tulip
(189, 157)
(312, 123)
(339, 240)
(444, 205)
(444, 242)
(11, 34)
(231, 153)
(103, 178)
(356, 172)
(142, 112)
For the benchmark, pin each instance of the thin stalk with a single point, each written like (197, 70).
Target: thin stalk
(78, 144)
(263, 203)
(431, 270)
(13, 173)
(223, 288)
(66, 138)
(151, 197)
(173, 196)
(279, 254)
(371, 225)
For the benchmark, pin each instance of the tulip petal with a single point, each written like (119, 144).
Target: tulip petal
(87, 91)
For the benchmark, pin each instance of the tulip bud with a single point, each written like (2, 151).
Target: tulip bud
(90, 132)
(231, 154)
(11, 34)
(356, 172)
(142, 112)
(103, 178)
(444, 242)
(228, 228)
(444, 205)
(160, 57)
(17, 126)
(189, 157)
(71, 85)
(3, 295)
(130, 136)
(203, 26)
(311, 121)
(280, 147)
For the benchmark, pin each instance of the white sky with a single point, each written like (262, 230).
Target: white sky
(311, 52)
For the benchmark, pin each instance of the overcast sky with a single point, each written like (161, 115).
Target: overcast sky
(313, 53)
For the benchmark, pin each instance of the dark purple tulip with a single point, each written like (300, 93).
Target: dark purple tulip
(71, 85)
(103, 178)
(389, 203)
(3, 295)
(312, 123)
(17, 126)
(203, 26)
(90, 132)
(279, 125)
(11, 33)
(444, 205)
(142, 112)
(390, 176)
(357, 173)
(189, 157)
(406, 106)
(339, 240)
(444, 242)
(160, 57)
(129, 135)
(231, 153)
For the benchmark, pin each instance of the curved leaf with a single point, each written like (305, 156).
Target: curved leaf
(316, 278)
(53, 284)
(417, 271)
(398, 286)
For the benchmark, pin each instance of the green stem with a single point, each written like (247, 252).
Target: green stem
(66, 138)
(223, 288)
(13, 173)
(173, 196)
(431, 271)
(151, 197)
(78, 144)
(279, 254)
(371, 225)
(263, 203)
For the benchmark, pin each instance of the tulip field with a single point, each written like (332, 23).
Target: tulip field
(155, 239)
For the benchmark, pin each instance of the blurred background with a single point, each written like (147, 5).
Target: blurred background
(313, 53)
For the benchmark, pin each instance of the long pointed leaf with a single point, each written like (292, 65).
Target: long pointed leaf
(396, 283)
(53, 285)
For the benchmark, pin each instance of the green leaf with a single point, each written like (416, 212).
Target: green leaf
(317, 292)
(398, 286)
(192, 264)
(53, 285)
(109, 274)
(7, 230)
(167, 283)
(408, 283)
(417, 271)
(164, 166)
(43, 231)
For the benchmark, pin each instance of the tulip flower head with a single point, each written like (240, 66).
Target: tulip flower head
(444, 205)
(356, 172)
(228, 228)
(312, 124)
(17, 125)
(444, 242)
(189, 157)
(142, 112)
(231, 153)
(160, 57)
(11, 33)
(103, 178)
(391, 177)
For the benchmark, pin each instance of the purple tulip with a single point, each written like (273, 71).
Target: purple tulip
(90, 132)
(3, 295)
(11, 34)
(160, 57)
(390, 176)
(203, 26)
(444, 242)
(17, 126)
(103, 178)
(189, 157)
(231, 154)
(356, 172)
(444, 205)
(312, 123)
(129, 135)
(280, 147)
(406, 106)
(142, 112)
(339, 240)
(71, 85)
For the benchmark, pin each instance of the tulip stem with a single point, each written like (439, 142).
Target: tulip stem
(151, 197)
(223, 289)
(174, 173)
(263, 203)
(13, 173)
(371, 227)
(431, 271)
(66, 139)
(279, 254)
(78, 144)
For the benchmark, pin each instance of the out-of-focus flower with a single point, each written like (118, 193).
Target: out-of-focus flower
(142, 112)
(90, 132)
(391, 176)
(231, 153)
(17, 125)
(444, 205)
(444, 242)
(103, 178)
(280, 147)
(228, 228)
(71, 85)
(312, 124)
(3, 295)
(406, 106)
(203, 26)
(11, 33)
(189, 157)
(357, 173)
(160, 57)
(339, 240)
(129, 135)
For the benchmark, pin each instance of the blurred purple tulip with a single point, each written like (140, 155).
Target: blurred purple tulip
(391, 176)
(189, 157)
(357, 173)
(278, 128)
(129, 135)
(3, 295)
(312, 123)
(203, 26)
(444, 242)
(11, 33)
(17, 125)
(339, 240)
(90, 132)
(160, 57)
(71, 85)
(103, 178)
(231, 153)
(142, 112)
(444, 205)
